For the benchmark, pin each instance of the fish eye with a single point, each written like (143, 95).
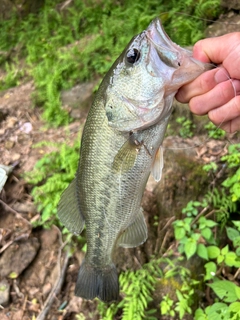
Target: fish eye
(133, 56)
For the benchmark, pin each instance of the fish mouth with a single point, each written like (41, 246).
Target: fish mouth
(155, 32)
(168, 51)
(172, 55)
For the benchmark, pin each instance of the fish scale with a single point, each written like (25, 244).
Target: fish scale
(121, 145)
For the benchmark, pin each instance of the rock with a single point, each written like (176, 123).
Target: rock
(231, 4)
(25, 207)
(17, 257)
(183, 178)
(79, 98)
(4, 292)
(44, 269)
(229, 22)
(74, 305)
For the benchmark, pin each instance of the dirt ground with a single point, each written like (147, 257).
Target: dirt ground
(37, 276)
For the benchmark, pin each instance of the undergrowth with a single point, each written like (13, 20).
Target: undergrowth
(51, 176)
(60, 48)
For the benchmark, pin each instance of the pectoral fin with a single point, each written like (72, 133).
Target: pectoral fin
(126, 156)
(157, 165)
(135, 234)
(69, 211)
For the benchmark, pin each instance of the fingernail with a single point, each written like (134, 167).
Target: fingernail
(221, 75)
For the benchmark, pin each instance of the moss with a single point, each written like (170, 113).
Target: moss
(167, 286)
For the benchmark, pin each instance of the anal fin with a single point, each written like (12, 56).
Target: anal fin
(69, 211)
(157, 165)
(135, 234)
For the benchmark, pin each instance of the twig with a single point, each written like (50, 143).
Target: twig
(18, 215)
(21, 237)
(159, 231)
(58, 284)
(54, 291)
(199, 215)
(210, 213)
(17, 290)
(236, 274)
(164, 241)
(66, 3)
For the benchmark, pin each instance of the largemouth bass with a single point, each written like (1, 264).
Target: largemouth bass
(120, 146)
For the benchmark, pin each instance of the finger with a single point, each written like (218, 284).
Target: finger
(204, 83)
(219, 96)
(227, 112)
(224, 49)
(231, 126)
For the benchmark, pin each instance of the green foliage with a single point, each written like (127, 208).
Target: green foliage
(60, 48)
(13, 75)
(137, 288)
(233, 161)
(190, 232)
(222, 203)
(211, 166)
(166, 306)
(50, 176)
(228, 292)
(214, 132)
(187, 126)
(197, 234)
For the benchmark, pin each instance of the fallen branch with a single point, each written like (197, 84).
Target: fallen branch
(17, 214)
(58, 284)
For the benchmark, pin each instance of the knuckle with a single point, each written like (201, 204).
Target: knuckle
(212, 117)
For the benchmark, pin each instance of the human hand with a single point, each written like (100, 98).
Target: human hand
(216, 92)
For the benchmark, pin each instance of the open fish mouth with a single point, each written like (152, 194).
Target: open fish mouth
(168, 51)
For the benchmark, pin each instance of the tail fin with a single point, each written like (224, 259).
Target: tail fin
(100, 283)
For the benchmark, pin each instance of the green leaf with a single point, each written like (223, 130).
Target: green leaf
(232, 233)
(218, 309)
(13, 275)
(220, 259)
(237, 224)
(230, 259)
(200, 315)
(211, 269)
(179, 233)
(238, 251)
(238, 292)
(224, 250)
(206, 233)
(202, 251)
(196, 203)
(210, 223)
(213, 252)
(190, 247)
(225, 290)
(236, 242)
(235, 307)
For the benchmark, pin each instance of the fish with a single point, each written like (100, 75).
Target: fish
(120, 147)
